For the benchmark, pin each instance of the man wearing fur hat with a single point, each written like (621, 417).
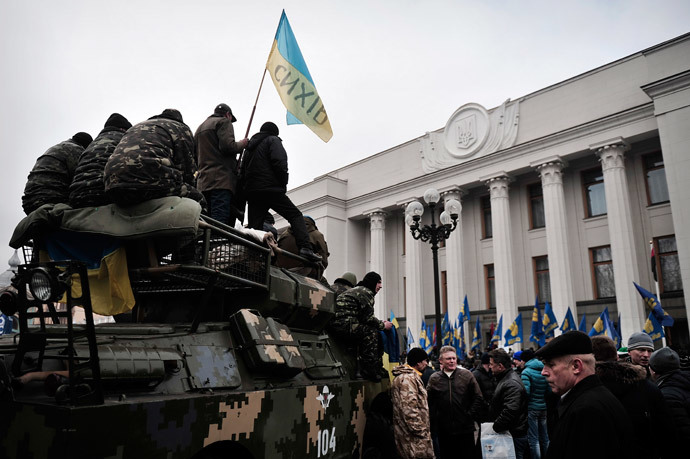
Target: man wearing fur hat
(87, 188)
(265, 170)
(355, 323)
(589, 420)
(411, 408)
(51, 176)
(675, 388)
(154, 159)
(216, 153)
(639, 396)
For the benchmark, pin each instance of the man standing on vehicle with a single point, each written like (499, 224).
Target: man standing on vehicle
(355, 323)
(455, 402)
(216, 153)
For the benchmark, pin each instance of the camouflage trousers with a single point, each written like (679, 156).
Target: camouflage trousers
(367, 340)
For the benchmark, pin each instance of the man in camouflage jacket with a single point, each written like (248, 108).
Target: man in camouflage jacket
(410, 408)
(355, 323)
(154, 159)
(87, 188)
(51, 176)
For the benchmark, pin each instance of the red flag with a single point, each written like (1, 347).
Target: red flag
(653, 260)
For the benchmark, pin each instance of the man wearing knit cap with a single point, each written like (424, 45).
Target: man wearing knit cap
(87, 188)
(265, 172)
(154, 159)
(51, 176)
(589, 421)
(640, 347)
(356, 324)
(411, 408)
(216, 153)
(675, 388)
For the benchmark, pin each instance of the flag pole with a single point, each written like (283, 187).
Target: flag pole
(251, 117)
(656, 285)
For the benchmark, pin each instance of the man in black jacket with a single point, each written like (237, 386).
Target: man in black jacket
(590, 421)
(455, 402)
(265, 171)
(508, 407)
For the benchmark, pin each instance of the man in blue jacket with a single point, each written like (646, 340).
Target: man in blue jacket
(536, 388)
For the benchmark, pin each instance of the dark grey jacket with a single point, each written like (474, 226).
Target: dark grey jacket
(265, 165)
(508, 407)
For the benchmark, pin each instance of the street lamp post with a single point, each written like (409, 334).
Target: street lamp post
(433, 234)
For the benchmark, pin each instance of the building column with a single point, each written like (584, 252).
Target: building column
(625, 267)
(454, 270)
(560, 274)
(672, 111)
(506, 304)
(377, 222)
(414, 312)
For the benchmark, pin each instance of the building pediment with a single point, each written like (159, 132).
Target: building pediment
(470, 133)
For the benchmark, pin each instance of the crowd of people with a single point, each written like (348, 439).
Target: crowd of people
(574, 397)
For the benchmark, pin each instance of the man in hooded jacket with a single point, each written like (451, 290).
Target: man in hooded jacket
(154, 159)
(87, 188)
(536, 388)
(265, 172)
(51, 176)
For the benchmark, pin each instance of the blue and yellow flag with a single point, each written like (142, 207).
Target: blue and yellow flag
(447, 338)
(549, 321)
(295, 86)
(459, 338)
(394, 320)
(477, 336)
(465, 313)
(583, 324)
(514, 333)
(653, 329)
(537, 334)
(653, 302)
(568, 323)
(604, 326)
(423, 338)
(498, 332)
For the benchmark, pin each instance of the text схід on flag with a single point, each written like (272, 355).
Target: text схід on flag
(294, 83)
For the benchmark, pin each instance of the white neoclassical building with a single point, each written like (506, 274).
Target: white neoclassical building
(562, 191)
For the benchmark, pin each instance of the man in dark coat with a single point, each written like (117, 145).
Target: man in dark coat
(154, 159)
(265, 171)
(356, 324)
(87, 188)
(639, 396)
(51, 176)
(288, 242)
(485, 379)
(455, 403)
(216, 153)
(674, 384)
(508, 406)
(590, 421)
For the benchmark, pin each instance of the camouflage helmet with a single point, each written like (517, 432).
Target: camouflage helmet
(347, 278)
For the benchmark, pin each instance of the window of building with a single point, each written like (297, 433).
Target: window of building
(490, 286)
(602, 272)
(487, 231)
(536, 206)
(541, 278)
(657, 191)
(593, 189)
(666, 258)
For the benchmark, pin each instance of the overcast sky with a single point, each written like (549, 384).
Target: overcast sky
(387, 71)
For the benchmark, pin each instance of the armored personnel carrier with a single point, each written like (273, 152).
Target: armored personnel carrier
(225, 355)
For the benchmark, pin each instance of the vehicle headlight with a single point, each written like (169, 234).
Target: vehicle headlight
(43, 285)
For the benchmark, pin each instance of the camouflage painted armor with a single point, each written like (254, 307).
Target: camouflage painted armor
(355, 322)
(410, 414)
(155, 158)
(51, 176)
(87, 188)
